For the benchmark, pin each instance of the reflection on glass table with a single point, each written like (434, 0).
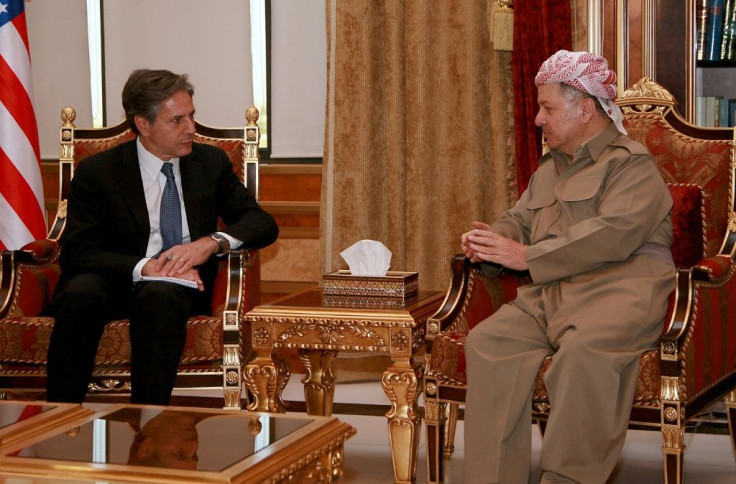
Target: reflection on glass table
(167, 438)
(136, 443)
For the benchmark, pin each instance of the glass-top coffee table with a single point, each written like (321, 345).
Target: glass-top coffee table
(21, 420)
(136, 443)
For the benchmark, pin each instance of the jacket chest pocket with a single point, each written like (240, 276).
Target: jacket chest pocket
(576, 198)
(580, 188)
(545, 212)
(580, 197)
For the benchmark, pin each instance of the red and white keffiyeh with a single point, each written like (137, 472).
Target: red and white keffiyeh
(586, 72)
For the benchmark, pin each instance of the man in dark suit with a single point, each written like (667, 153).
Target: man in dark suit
(130, 216)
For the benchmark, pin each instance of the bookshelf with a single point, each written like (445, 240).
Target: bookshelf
(673, 32)
(659, 39)
(718, 63)
(715, 99)
(715, 66)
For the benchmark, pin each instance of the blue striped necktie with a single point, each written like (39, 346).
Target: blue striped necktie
(170, 216)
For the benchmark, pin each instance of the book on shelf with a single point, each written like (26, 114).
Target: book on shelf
(701, 16)
(728, 44)
(709, 119)
(714, 29)
(722, 112)
(705, 111)
(714, 111)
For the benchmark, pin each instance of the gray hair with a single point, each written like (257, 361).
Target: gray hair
(146, 89)
(573, 95)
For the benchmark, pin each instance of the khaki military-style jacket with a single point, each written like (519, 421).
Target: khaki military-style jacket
(604, 205)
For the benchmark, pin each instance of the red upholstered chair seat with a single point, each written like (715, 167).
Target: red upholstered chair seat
(26, 341)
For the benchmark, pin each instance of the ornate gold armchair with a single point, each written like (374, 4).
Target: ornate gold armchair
(216, 343)
(695, 360)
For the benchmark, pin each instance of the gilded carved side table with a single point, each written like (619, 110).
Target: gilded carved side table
(319, 331)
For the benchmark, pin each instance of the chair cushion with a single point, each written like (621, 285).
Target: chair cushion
(685, 159)
(688, 224)
(448, 365)
(26, 341)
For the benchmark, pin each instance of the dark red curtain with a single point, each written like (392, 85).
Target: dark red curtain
(541, 28)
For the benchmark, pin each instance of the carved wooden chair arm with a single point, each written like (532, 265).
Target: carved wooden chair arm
(40, 252)
(711, 276)
(472, 297)
(694, 332)
(230, 293)
(237, 291)
(714, 269)
(453, 303)
(35, 265)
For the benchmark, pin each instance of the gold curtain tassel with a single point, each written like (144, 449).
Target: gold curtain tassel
(502, 34)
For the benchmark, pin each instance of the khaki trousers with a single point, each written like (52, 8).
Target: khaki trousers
(596, 325)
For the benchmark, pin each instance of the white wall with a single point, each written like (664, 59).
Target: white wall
(57, 38)
(298, 78)
(208, 40)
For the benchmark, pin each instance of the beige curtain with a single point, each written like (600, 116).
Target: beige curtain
(419, 133)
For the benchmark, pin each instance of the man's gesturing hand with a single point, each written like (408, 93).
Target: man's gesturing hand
(481, 244)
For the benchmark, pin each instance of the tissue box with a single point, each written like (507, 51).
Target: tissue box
(395, 290)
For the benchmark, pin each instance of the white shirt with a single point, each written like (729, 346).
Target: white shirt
(154, 182)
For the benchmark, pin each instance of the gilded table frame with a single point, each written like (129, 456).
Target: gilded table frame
(319, 333)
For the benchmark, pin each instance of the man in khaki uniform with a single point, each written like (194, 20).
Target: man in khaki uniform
(594, 231)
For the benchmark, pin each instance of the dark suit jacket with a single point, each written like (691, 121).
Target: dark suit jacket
(107, 226)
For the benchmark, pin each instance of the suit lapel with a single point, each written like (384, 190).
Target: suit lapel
(191, 187)
(131, 186)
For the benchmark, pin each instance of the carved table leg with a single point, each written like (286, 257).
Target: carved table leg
(319, 384)
(400, 382)
(266, 377)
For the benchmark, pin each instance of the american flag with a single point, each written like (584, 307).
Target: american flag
(21, 191)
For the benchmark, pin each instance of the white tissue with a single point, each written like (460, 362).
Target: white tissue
(367, 258)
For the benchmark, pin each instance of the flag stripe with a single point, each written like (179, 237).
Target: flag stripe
(13, 231)
(19, 194)
(20, 152)
(21, 189)
(13, 49)
(21, 27)
(18, 103)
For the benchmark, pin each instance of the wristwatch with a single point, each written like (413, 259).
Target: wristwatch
(222, 243)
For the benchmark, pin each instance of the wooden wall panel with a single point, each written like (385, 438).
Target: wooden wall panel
(290, 182)
(635, 43)
(291, 193)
